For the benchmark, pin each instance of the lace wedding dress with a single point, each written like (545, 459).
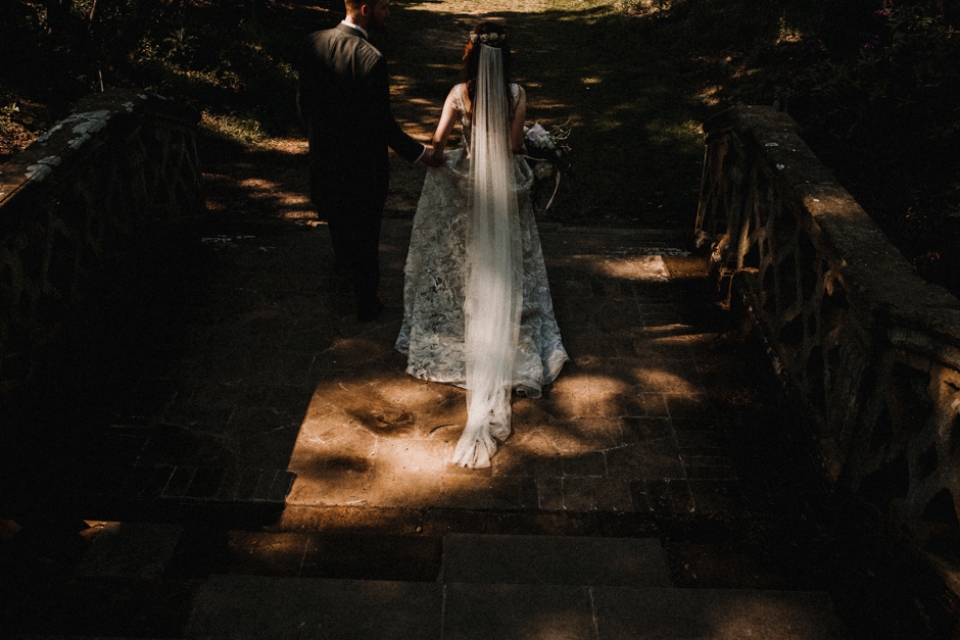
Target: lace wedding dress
(437, 272)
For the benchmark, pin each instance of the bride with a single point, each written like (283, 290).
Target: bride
(477, 306)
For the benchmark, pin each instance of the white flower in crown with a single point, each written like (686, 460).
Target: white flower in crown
(492, 37)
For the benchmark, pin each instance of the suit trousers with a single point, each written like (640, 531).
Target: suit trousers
(354, 225)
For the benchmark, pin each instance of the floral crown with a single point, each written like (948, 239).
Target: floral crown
(493, 38)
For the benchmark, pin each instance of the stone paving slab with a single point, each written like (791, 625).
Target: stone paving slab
(283, 608)
(515, 612)
(719, 614)
(555, 560)
(130, 549)
(262, 607)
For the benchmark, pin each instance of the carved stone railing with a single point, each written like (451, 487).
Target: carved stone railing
(123, 163)
(870, 349)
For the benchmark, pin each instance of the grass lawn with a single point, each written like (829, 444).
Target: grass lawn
(637, 146)
(634, 113)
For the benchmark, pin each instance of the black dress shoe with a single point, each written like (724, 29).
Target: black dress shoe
(370, 311)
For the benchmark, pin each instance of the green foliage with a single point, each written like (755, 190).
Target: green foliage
(233, 58)
(874, 85)
(888, 120)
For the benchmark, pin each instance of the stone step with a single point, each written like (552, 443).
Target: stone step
(554, 560)
(145, 551)
(183, 494)
(76, 637)
(168, 473)
(295, 585)
(155, 551)
(280, 608)
(243, 584)
(61, 606)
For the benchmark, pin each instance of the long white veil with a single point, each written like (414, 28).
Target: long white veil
(493, 295)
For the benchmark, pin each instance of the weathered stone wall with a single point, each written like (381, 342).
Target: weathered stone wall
(121, 165)
(872, 350)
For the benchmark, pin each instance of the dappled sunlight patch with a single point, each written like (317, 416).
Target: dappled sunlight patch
(331, 472)
(304, 217)
(661, 380)
(710, 95)
(639, 268)
(325, 422)
(532, 412)
(409, 472)
(387, 403)
(423, 102)
(261, 188)
(243, 128)
(585, 395)
(267, 179)
(584, 434)
(355, 349)
(400, 84)
(532, 441)
(411, 392)
(364, 406)
(684, 340)
(414, 457)
(446, 67)
(528, 452)
(634, 264)
(682, 345)
(329, 490)
(749, 616)
(666, 329)
(688, 132)
(291, 146)
(588, 384)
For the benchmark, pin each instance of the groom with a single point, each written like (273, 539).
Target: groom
(344, 102)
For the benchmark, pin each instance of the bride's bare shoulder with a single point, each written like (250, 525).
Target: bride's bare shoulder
(458, 96)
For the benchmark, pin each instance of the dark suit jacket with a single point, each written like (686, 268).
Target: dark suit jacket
(344, 101)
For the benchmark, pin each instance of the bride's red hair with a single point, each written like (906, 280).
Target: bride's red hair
(471, 54)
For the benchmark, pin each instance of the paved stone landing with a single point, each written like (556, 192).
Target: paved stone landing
(270, 396)
(626, 427)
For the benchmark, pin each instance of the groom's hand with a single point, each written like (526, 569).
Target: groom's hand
(431, 158)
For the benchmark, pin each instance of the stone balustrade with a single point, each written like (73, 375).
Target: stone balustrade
(871, 350)
(121, 165)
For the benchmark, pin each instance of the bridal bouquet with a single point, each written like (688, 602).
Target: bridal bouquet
(547, 154)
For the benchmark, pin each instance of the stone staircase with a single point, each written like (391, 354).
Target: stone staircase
(280, 477)
(152, 581)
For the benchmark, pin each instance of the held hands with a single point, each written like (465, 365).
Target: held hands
(433, 157)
